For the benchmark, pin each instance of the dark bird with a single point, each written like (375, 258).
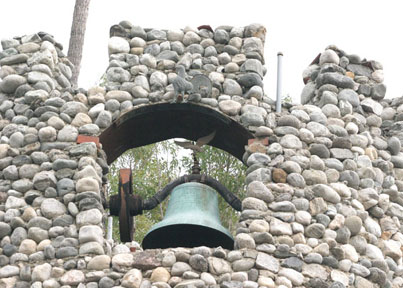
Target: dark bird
(181, 85)
(207, 27)
(196, 147)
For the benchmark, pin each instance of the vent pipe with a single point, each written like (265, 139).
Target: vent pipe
(110, 228)
(279, 80)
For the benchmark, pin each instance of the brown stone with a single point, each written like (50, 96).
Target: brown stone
(257, 147)
(27, 246)
(99, 262)
(146, 260)
(350, 74)
(386, 235)
(28, 214)
(137, 50)
(80, 97)
(263, 141)
(81, 119)
(160, 274)
(279, 175)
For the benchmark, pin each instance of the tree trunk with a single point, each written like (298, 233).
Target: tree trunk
(76, 44)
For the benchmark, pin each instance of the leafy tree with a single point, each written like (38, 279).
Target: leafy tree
(156, 165)
(286, 99)
(153, 167)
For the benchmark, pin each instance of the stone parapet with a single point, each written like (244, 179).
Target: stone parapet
(324, 178)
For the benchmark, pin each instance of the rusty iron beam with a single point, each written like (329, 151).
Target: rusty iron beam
(157, 122)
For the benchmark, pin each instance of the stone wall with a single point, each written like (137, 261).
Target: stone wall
(142, 63)
(324, 179)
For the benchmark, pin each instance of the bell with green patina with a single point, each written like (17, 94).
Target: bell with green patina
(191, 220)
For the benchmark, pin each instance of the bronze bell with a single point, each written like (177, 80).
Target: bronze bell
(191, 220)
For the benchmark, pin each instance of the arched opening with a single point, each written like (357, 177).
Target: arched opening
(154, 123)
(158, 122)
(156, 165)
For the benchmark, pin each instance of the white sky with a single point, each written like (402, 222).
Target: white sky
(300, 29)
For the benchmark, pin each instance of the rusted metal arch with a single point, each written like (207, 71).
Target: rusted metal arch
(157, 122)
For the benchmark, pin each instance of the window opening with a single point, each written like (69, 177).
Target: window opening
(156, 165)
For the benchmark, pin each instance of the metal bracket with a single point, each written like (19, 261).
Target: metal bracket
(125, 205)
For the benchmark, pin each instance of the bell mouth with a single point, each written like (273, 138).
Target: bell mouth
(187, 235)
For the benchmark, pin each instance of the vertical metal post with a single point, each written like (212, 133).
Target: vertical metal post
(279, 80)
(110, 227)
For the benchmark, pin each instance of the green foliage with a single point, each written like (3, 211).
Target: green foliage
(286, 99)
(156, 165)
(153, 167)
(102, 81)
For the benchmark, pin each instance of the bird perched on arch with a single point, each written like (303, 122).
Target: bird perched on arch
(181, 85)
(196, 146)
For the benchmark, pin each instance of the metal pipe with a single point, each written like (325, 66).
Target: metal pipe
(279, 81)
(110, 227)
